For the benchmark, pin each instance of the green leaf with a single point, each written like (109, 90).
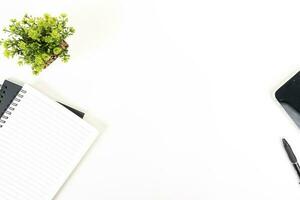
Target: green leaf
(45, 57)
(47, 16)
(12, 28)
(7, 53)
(6, 43)
(38, 60)
(22, 45)
(57, 50)
(65, 58)
(20, 62)
(33, 34)
(63, 15)
(72, 30)
(55, 34)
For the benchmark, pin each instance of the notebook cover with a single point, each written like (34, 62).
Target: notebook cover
(288, 95)
(10, 90)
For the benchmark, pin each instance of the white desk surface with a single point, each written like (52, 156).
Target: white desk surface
(185, 90)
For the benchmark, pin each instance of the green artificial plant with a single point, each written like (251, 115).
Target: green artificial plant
(37, 41)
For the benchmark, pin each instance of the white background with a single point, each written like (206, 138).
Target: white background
(185, 91)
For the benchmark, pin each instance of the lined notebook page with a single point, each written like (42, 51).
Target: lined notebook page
(40, 145)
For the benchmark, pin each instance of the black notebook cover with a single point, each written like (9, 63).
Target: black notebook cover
(9, 92)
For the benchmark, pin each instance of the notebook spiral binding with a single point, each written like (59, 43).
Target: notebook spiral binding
(12, 105)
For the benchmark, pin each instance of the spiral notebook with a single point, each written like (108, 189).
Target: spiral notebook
(13, 89)
(41, 142)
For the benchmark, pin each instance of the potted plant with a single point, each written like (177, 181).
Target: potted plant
(37, 41)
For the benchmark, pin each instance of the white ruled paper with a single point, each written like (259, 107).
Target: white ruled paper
(40, 145)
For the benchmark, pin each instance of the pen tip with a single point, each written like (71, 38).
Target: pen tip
(289, 151)
(284, 141)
